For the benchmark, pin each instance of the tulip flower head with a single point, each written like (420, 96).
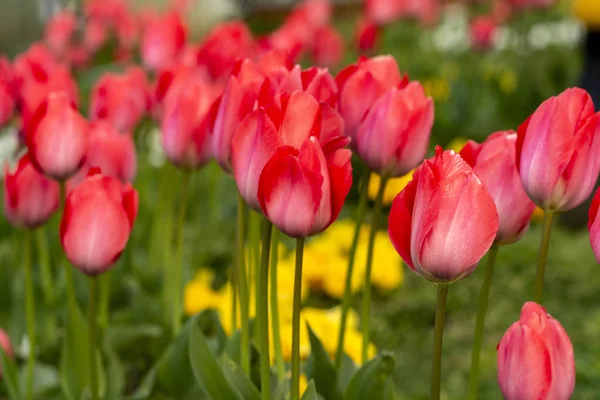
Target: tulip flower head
(30, 198)
(97, 221)
(494, 163)
(594, 225)
(535, 358)
(557, 151)
(163, 39)
(444, 220)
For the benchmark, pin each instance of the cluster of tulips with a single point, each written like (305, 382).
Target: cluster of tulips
(286, 135)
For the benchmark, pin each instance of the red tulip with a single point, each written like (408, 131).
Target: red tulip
(30, 198)
(6, 346)
(320, 83)
(557, 151)
(59, 32)
(225, 44)
(393, 137)
(302, 192)
(361, 84)
(328, 47)
(163, 39)
(482, 32)
(366, 36)
(186, 125)
(444, 220)
(122, 99)
(97, 222)
(111, 151)
(594, 225)
(57, 137)
(535, 358)
(386, 11)
(7, 104)
(289, 121)
(494, 163)
(36, 64)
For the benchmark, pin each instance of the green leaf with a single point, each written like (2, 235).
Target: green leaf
(346, 372)
(207, 371)
(321, 370)
(282, 391)
(115, 374)
(239, 380)
(9, 376)
(74, 358)
(372, 381)
(311, 392)
(45, 378)
(145, 388)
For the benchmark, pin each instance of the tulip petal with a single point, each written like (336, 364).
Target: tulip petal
(300, 113)
(339, 165)
(400, 220)
(356, 97)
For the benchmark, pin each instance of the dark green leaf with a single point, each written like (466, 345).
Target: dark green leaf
(371, 381)
(115, 374)
(9, 376)
(239, 380)
(145, 388)
(74, 358)
(321, 370)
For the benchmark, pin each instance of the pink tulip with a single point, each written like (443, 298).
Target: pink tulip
(6, 346)
(361, 84)
(328, 47)
(57, 137)
(393, 137)
(535, 358)
(59, 32)
(30, 198)
(97, 222)
(557, 151)
(163, 39)
(445, 220)
(7, 105)
(320, 83)
(289, 121)
(594, 225)
(36, 64)
(482, 32)
(302, 192)
(387, 11)
(494, 163)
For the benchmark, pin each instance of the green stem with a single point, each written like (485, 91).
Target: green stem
(279, 363)
(177, 272)
(484, 295)
(93, 299)
(242, 285)
(30, 313)
(103, 309)
(50, 332)
(366, 300)
(438, 336)
(541, 268)
(296, 320)
(347, 298)
(67, 269)
(263, 311)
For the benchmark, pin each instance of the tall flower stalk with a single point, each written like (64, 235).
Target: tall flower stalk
(279, 362)
(263, 310)
(242, 284)
(438, 337)
(30, 313)
(296, 319)
(541, 268)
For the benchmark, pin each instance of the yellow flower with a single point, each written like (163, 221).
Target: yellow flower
(457, 144)
(387, 273)
(538, 215)
(199, 294)
(393, 187)
(303, 384)
(508, 81)
(353, 347)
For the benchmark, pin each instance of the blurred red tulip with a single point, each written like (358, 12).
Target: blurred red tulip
(394, 135)
(482, 32)
(289, 121)
(223, 46)
(6, 346)
(386, 11)
(59, 32)
(302, 192)
(7, 105)
(121, 99)
(328, 47)
(535, 358)
(494, 163)
(97, 222)
(366, 36)
(57, 137)
(557, 151)
(163, 39)
(95, 35)
(361, 84)
(444, 221)
(30, 198)
(594, 225)
(36, 64)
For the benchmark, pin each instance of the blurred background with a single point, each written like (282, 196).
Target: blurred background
(487, 63)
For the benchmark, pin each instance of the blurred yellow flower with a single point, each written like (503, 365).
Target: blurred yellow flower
(457, 144)
(199, 294)
(508, 81)
(387, 272)
(437, 88)
(393, 187)
(538, 215)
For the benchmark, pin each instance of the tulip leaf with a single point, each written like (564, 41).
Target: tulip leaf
(372, 380)
(346, 372)
(115, 382)
(207, 371)
(282, 391)
(233, 346)
(321, 370)
(144, 390)
(239, 380)
(311, 392)
(9, 376)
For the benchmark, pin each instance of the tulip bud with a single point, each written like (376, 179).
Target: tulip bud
(557, 151)
(328, 47)
(535, 358)
(59, 31)
(30, 198)
(97, 222)
(393, 137)
(482, 32)
(163, 39)
(594, 225)
(366, 36)
(302, 192)
(494, 163)
(57, 137)
(444, 221)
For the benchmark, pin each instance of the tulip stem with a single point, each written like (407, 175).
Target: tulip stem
(279, 363)
(177, 272)
(438, 336)
(47, 285)
(541, 269)
(69, 283)
(366, 300)
(30, 312)
(242, 284)
(347, 298)
(263, 311)
(484, 295)
(103, 309)
(296, 320)
(93, 299)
